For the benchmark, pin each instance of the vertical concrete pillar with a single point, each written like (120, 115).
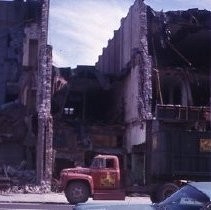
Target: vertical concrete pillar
(45, 133)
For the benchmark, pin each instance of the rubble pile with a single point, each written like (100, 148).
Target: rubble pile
(20, 180)
(20, 174)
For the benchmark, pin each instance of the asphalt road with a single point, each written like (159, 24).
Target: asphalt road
(32, 206)
(55, 202)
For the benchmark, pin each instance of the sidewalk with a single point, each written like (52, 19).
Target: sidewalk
(57, 198)
(33, 198)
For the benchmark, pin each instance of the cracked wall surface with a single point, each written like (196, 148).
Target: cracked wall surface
(25, 75)
(133, 66)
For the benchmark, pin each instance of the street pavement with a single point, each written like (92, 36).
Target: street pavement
(52, 201)
(52, 198)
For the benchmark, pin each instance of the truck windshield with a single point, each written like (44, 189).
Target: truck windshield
(98, 163)
(187, 195)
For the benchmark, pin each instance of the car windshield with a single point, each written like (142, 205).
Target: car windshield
(187, 195)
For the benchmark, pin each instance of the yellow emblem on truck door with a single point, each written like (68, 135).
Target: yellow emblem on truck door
(108, 181)
(205, 145)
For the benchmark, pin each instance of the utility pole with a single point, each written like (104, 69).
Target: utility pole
(45, 132)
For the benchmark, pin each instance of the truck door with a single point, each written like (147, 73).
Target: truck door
(105, 174)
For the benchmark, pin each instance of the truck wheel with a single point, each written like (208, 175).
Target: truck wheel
(166, 190)
(77, 192)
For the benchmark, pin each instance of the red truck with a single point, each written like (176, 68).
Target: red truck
(101, 181)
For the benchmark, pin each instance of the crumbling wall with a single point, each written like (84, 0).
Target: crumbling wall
(163, 62)
(11, 42)
(13, 114)
(22, 36)
(135, 130)
(127, 41)
(130, 48)
(179, 46)
(127, 56)
(45, 131)
(164, 55)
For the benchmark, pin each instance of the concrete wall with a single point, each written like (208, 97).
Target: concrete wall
(135, 132)
(45, 121)
(135, 135)
(128, 51)
(22, 34)
(32, 32)
(131, 94)
(11, 41)
(120, 49)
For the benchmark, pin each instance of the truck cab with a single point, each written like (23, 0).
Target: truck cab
(105, 172)
(100, 181)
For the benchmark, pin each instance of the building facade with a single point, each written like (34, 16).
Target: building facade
(25, 68)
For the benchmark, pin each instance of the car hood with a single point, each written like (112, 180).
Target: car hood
(204, 187)
(113, 206)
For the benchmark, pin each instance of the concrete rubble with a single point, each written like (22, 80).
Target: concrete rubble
(20, 180)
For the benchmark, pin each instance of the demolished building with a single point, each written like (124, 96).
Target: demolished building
(25, 90)
(83, 123)
(160, 65)
(150, 77)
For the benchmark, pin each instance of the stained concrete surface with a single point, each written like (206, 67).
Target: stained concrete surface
(58, 198)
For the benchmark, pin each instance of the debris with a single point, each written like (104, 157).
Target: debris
(18, 179)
